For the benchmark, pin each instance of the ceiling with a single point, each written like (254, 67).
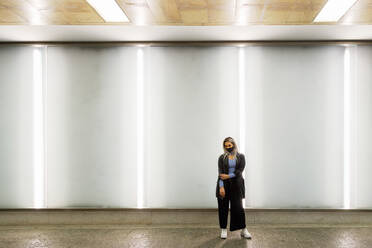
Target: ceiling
(179, 12)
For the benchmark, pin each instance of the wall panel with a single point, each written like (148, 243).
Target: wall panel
(294, 98)
(191, 106)
(91, 126)
(16, 127)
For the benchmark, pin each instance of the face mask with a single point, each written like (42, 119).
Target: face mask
(230, 149)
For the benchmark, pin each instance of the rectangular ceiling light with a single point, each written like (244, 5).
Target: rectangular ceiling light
(109, 10)
(333, 10)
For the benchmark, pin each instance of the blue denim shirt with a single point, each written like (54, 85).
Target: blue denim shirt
(232, 164)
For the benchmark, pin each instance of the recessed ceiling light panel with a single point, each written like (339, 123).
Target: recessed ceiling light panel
(333, 10)
(109, 10)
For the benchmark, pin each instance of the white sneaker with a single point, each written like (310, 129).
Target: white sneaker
(223, 233)
(244, 233)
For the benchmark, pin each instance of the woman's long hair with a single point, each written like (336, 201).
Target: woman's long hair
(233, 152)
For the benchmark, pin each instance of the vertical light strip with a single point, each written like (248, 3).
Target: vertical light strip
(140, 152)
(347, 128)
(38, 129)
(354, 119)
(241, 66)
(45, 77)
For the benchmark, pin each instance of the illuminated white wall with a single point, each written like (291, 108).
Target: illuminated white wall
(137, 126)
(294, 131)
(91, 126)
(191, 101)
(16, 127)
(362, 120)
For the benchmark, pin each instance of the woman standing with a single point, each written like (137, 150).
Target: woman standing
(230, 187)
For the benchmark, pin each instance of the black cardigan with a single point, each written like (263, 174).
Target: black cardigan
(237, 182)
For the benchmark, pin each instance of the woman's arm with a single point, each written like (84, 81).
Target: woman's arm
(220, 161)
(221, 183)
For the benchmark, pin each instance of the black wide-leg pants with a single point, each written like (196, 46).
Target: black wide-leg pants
(237, 214)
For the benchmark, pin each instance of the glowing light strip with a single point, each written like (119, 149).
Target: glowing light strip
(38, 129)
(45, 69)
(241, 66)
(347, 128)
(140, 152)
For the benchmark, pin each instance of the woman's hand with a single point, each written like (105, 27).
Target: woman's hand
(222, 192)
(224, 176)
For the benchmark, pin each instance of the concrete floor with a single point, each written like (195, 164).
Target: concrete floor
(263, 236)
